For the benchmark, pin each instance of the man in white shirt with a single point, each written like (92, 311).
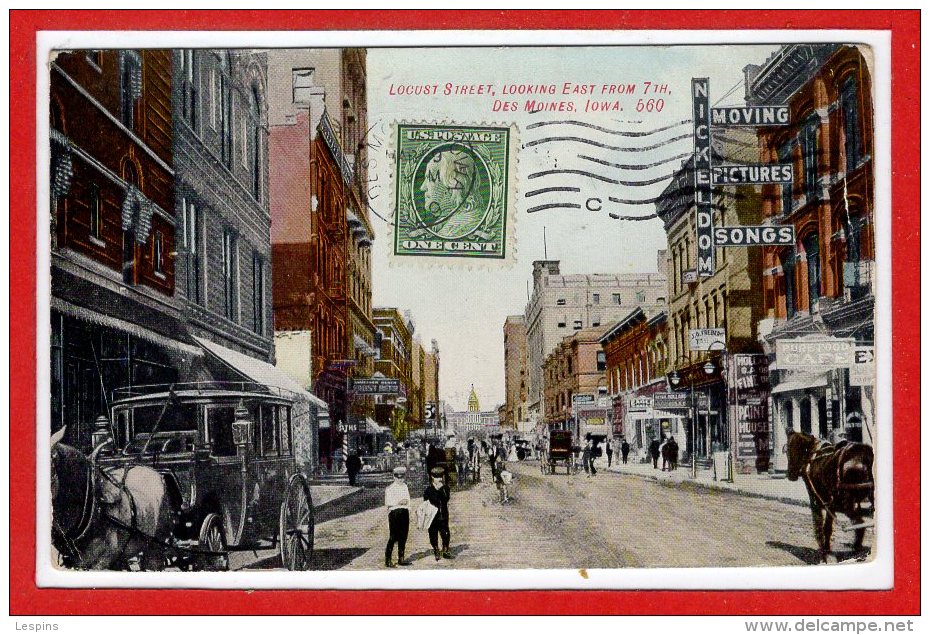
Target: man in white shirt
(397, 500)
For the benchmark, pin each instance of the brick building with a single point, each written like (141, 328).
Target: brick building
(394, 339)
(321, 233)
(221, 177)
(730, 299)
(577, 366)
(822, 286)
(115, 320)
(562, 304)
(515, 373)
(636, 352)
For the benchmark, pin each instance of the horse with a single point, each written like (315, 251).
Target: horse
(838, 479)
(103, 517)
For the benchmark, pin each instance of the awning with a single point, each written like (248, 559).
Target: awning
(85, 300)
(800, 381)
(258, 371)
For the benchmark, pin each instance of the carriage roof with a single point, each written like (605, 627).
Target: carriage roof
(201, 390)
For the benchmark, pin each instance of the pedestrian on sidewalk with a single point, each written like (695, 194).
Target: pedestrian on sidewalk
(624, 450)
(654, 453)
(437, 493)
(353, 466)
(610, 453)
(587, 458)
(338, 460)
(663, 450)
(397, 500)
(672, 449)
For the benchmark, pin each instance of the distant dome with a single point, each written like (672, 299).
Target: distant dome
(473, 405)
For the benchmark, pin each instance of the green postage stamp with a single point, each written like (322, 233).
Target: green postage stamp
(452, 189)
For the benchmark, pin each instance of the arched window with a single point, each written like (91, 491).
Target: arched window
(849, 103)
(812, 256)
(809, 150)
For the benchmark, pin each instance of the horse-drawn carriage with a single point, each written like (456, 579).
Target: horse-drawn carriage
(234, 461)
(560, 449)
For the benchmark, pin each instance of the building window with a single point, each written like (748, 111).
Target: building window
(191, 219)
(129, 234)
(130, 87)
(640, 296)
(616, 299)
(577, 325)
(229, 275)
(601, 361)
(158, 253)
(596, 298)
(560, 302)
(787, 267)
(812, 254)
(96, 216)
(188, 88)
(809, 155)
(225, 120)
(302, 80)
(258, 286)
(95, 57)
(561, 323)
(256, 145)
(849, 100)
(784, 156)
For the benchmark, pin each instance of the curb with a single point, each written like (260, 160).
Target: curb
(667, 482)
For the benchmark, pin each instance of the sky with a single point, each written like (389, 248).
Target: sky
(463, 303)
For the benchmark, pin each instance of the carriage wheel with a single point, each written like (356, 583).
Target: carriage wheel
(213, 539)
(296, 526)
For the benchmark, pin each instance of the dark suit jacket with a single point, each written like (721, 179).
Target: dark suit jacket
(440, 499)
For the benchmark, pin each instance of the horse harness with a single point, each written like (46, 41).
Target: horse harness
(91, 512)
(822, 451)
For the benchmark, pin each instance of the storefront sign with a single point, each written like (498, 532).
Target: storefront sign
(754, 235)
(750, 392)
(689, 277)
(640, 404)
(751, 115)
(704, 213)
(680, 401)
(814, 354)
(707, 339)
(376, 386)
(862, 372)
(752, 173)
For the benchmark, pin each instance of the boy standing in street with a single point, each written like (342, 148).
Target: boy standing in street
(397, 500)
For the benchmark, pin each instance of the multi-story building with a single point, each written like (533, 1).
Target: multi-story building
(515, 375)
(730, 299)
(221, 177)
(561, 305)
(321, 233)
(431, 385)
(819, 289)
(394, 338)
(416, 401)
(115, 319)
(578, 366)
(636, 353)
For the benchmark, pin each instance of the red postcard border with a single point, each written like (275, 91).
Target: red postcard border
(904, 598)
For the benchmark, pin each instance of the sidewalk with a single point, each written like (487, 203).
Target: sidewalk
(757, 485)
(324, 495)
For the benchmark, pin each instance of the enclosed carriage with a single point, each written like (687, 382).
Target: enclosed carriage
(237, 459)
(559, 450)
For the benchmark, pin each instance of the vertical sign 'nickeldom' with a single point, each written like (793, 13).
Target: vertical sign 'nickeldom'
(703, 213)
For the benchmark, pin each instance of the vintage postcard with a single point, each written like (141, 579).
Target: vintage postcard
(347, 312)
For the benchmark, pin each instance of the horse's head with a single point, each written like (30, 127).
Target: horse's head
(800, 449)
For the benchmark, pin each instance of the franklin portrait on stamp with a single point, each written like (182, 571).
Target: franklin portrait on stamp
(451, 191)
